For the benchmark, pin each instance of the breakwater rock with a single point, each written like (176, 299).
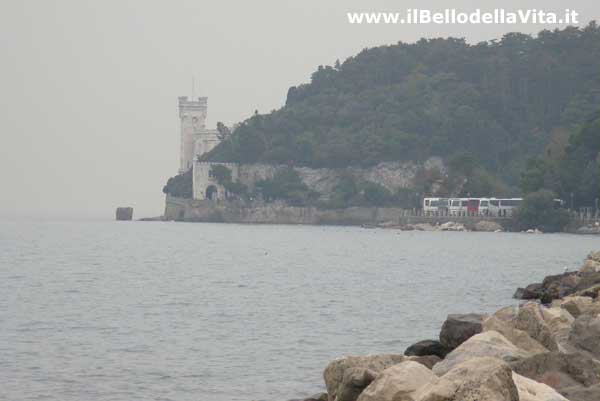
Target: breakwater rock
(585, 281)
(537, 351)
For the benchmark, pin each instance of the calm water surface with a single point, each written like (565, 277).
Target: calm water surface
(176, 311)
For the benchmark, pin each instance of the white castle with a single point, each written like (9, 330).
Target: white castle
(197, 140)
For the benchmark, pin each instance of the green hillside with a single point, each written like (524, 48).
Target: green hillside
(499, 103)
(574, 173)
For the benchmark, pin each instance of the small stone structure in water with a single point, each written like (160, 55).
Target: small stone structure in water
(124, 213)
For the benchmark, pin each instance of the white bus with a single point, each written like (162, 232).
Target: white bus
(500, 207)
(484, 206)
(433, 205)
(504, 207)
(457, 206)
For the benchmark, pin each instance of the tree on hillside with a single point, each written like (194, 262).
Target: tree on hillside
(539, 174)
(220, 173)
(576, 171)
(223, 132)
(223, 176)
(286, 185)
(539, 211)
(180, 185)
(376, 194)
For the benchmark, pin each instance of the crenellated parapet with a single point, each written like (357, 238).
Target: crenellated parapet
(187, 106)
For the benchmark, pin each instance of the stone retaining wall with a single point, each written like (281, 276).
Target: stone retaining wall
(278, 213)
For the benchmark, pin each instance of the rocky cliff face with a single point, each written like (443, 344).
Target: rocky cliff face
(391, 175)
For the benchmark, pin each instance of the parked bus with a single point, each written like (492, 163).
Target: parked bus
(477, 206)
(504, 207)
(501, 207)
(457, 206)
(433, 205)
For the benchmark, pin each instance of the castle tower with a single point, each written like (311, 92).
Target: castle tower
(193, 123)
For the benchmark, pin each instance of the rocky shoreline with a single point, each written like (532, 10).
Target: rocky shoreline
(546, 349)
(483, 225)
(589, 229)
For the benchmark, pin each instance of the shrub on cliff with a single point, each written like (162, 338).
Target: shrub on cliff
(376, 194)
(349, 191)
(346, 192)
(236, 188)
(221, 173)
(224, 177)
(538, 210)
(286, 185)
(180, 185)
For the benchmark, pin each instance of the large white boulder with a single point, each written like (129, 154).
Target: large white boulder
(345, 378)
(398, 382)
(590, 266)
(489, 226)
(549, 326)
(490, 344)
(530, 390)
(578, 305)
(517, 337)
(477, 379)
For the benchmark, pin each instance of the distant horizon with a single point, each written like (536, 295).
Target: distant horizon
(61, 216)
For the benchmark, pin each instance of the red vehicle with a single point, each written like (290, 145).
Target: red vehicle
(473, 206)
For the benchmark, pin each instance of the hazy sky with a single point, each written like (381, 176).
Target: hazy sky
(88, 116)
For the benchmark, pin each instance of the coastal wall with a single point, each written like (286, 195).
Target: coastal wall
(272, 213)
(179, 209)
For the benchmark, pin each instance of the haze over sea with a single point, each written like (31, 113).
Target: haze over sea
(177, 311)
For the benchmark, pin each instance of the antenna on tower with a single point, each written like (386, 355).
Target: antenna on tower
(193, 88)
